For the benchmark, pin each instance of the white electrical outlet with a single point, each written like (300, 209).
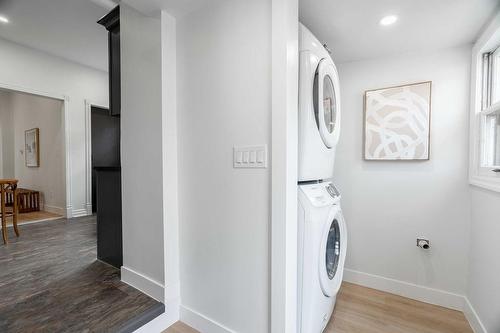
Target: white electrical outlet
(250, 156)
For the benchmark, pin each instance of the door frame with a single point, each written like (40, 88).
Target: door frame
(284, 157)
(88, 152)
(68, 209)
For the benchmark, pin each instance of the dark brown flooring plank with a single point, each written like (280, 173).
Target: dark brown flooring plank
(50, 281)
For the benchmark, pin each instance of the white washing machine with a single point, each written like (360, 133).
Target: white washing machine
(322, 248)
(319, 109)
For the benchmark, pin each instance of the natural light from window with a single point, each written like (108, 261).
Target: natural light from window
(490, 114)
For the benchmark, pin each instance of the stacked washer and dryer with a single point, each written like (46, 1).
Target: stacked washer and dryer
(322, 231)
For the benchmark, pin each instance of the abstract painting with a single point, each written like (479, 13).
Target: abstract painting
(397, 122)
(32, 147)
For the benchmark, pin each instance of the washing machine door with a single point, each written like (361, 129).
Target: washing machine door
(332, 252)
(326, 100)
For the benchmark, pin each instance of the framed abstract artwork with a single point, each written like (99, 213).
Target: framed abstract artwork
(397, 123)
(32, 147)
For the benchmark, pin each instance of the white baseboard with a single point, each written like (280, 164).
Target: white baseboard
(200, 322)
(69, 212)
(145, 284)
(89, 208)
(79, 212)
(163, 321)
(473, 318)
(405, 289)
(54, 210)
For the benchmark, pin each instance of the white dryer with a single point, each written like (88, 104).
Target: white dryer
(322, 248)
(319, 109)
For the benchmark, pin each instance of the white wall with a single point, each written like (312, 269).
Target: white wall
(224, 99)
(34, 70)
(7, 166)
(388, 204)
(30, 111)
(141, 152)
(484, 269)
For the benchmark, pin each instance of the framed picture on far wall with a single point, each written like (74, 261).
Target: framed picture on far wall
(32, 147)
(397, 123)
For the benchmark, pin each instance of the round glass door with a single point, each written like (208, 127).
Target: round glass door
(326, 103)
(333, 249)
(332, 252)
(329, 115)
(329, 105)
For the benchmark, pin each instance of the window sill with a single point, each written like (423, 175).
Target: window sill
(488, 183)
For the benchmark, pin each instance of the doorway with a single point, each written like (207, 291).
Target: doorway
(33, 150)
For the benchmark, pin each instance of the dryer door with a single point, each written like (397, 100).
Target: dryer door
(326, 100)
(332, 253)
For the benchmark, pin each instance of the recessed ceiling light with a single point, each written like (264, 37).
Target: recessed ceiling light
(388, 20)
(3, 19)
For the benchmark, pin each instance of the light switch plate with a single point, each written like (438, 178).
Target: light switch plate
(250, 156)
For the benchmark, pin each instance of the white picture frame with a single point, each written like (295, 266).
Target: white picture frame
(32, 147)
(397, 123)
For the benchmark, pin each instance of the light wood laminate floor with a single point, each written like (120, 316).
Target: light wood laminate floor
(364, 310)
(50, 281)
(37, 217)
(33, 217)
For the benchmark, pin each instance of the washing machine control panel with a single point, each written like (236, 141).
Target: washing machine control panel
(321, 194)
(332, 190)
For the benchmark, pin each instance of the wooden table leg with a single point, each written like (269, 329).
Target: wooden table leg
(4, 219)
(14, 213)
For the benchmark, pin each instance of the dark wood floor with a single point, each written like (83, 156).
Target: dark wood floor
(50, 281)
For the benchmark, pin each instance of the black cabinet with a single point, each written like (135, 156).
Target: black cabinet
(112, 23)
(107, 142)
(109, 215)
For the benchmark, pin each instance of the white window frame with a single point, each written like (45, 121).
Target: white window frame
(495, 79)
(478, 174)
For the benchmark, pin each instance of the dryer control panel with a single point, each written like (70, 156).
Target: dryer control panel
(321, 194)
(334, 192)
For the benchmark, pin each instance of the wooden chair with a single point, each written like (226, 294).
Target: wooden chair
(27, 200)
(8, 187)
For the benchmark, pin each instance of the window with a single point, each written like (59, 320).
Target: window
(484, 167)
(490, 112)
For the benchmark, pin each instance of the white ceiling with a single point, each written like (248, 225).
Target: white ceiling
(177, 8)
(65, 28)
(351, 29)
(68, 28)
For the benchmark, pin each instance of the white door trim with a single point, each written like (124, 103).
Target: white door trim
(284, 176)
(169, 164)
(88, 153)
(67, 136)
